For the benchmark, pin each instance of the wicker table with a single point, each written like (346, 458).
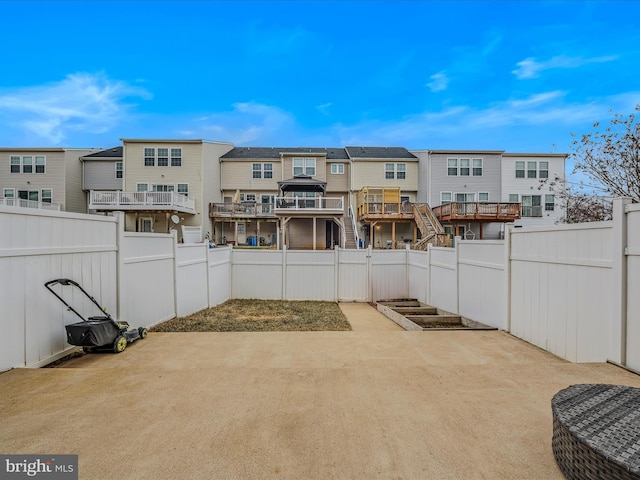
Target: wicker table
(596, 431)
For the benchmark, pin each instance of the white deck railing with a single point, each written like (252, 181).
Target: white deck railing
(19, 202)
(310, 203)
(116, 200)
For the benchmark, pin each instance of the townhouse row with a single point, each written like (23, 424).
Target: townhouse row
(304, 198)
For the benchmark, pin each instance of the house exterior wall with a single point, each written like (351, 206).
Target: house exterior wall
(300, 234)
(75, 197)
(423, 175)
(371, 173)
(237, 174)
(287, 165)
(337, 182)
(101, 175)
(439, 180)
(63, 175)
(533, 186)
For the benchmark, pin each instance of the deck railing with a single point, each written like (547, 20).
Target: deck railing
(478, 210)
(117, 200)
(244, 209)
(20, 202)
(309, 203)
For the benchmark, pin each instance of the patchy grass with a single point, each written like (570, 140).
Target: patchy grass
(261, 316)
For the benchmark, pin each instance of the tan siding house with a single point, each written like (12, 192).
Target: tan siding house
(44, 176)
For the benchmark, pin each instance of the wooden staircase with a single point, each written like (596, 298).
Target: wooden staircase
(430, 228)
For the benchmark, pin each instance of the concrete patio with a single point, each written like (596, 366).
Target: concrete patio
(376, 402)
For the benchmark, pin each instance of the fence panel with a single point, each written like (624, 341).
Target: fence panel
(561, 289)
(353, 275)
(389, 274)
(633, 287)
(147, 290)
(311, 275)
(191, 275)
(418, 271)
(37, 246)
(219, 275)
(257, 274)
(482, 282)
(443, 278)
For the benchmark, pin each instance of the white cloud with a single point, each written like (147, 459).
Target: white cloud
(439, 82)
(531, 68)
(324, 108)
(248, 123)
(90, 103)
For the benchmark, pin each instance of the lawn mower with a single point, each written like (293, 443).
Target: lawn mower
(99, 333)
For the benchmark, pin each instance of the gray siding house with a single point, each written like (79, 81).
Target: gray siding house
(103, 170)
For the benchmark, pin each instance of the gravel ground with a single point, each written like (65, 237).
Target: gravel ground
(261, 316)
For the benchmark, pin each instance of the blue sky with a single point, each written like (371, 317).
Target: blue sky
(510, 75)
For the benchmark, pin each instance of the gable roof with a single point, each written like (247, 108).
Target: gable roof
(276, 152)
(379, 152)
(115, 152)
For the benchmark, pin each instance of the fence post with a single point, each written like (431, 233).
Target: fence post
(429, 247)
(336, 273)
(206, 256)
(457, 250)
(174, 234)
(284, 272)
(618, 341)
(119, 264)
(507, 275)
(369, 274)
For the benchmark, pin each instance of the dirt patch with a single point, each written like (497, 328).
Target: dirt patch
(261, 316)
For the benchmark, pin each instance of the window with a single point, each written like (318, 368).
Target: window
(31, 195)
(519, 169)
(262, 170)
(162, 188)
(304, 166)
(464, 167)
(163, 157)
(445, 197)
(549, 203)
(15, 164)
(513, 198)
(452, 167)
(118, 169)
(9, 193)
(531, 206)
(142, 187)
(477, 167)
(176, 157)
(483, 196)
(183, 188)
(247, 197)
(27, 164)
(532, 169)
(40, 164)
(305, 199)
(465, 197)
(401, 171)
(47, 195)
(543, 171)
(389, 171)
(145, 224)
(337, 168)
(405, 199)
(395, 170)
(149, 157)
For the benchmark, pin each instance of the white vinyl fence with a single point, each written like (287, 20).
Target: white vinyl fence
(569, 289)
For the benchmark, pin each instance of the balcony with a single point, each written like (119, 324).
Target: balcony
(241, 210)
(22, 203)
(382, 204)
(141, 201)
(477, 211)
(309, 206)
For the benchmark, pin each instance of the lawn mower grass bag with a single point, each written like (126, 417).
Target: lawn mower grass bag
(96, 332)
